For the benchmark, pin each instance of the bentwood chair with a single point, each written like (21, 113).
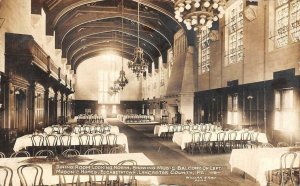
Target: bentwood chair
(98, 141)
(20, 154)
(70, 153)
(84, 142)
(221, 141)
(65, 141)
(51, 142)
(6, 175)
(37, 142)
(282, 144)
(117, 149)
(48, 153)
(69, 180)
(101, 180)
(196, 139)
(286, 171)
(127, 180)
(77, 129)
(207, 143)
(111, 141)
(2, 155)
(30, 174)
(93, 151)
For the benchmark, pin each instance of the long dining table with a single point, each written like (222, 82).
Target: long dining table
(183, 138)
(113, 129)
(50, 179)
(25, 141)
(257, 162)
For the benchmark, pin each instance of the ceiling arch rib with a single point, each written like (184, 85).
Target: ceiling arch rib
(113, 45)
(80, 35)
(83, 57)
(66, 27)
(93, 42)
(57, 12)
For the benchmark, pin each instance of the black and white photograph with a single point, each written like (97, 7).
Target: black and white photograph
(150, 92)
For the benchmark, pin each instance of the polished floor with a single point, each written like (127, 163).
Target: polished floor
(165, 152)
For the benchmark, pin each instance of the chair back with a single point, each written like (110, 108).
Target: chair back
(127, 179)
(30, 174)
(106, 128)
(282, 144)
(287, 161)
(245, 136)
(221, 136)
(87, 129)
(111, 139)
(74, 179)
(6, 175)
(266, 145)
(93, 151)
(65, 140)
(206, 136)
(98, 139)
(254, 136)
(37, 140)
(232, 136)
(51, 140)
(70, 153)
(20, 154)
(2, 155)
(84, 139)
(48, 153)
(196, 137)
(117, 149)
(94, 179)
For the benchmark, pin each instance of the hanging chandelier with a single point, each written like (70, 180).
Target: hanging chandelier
(199, 14)
(138, 65)
(115, 88)
(122, 80)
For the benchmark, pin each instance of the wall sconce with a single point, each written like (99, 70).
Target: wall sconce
(17, 92)
(250, 97)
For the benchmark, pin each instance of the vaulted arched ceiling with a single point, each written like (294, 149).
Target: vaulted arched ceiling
(84, 28)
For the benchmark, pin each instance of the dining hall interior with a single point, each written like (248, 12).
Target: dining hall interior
(193, 83)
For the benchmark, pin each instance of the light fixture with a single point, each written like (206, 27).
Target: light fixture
(115, 87)
(199, 14)
(138, 65)
(122, 80)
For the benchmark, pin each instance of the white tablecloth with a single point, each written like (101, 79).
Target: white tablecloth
(113, 130)
(113, 159)
(182, 138)
(256, 162)
(25, 141)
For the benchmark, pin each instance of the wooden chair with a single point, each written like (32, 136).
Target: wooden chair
(102, 180)
(221, 141)
(65, 141)
(127, 180)
(282, 144)
(20, 154)
(207, 143)
(93, 151)
(48, 153)
(2, 155)
(34, 176)
(84, 142)
(6, 178)
(196, 140)
(51, 142)
(37, 143)
(70, 153)
(117, 149)
(111, 141)
(98, 141)
(285, 172)
(266, 145)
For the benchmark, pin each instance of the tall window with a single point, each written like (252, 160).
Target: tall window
(204, 51)
(234, 36)
(162, 76)
(232, 109)
(287, 22)
(284, 110)
(106, 80)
